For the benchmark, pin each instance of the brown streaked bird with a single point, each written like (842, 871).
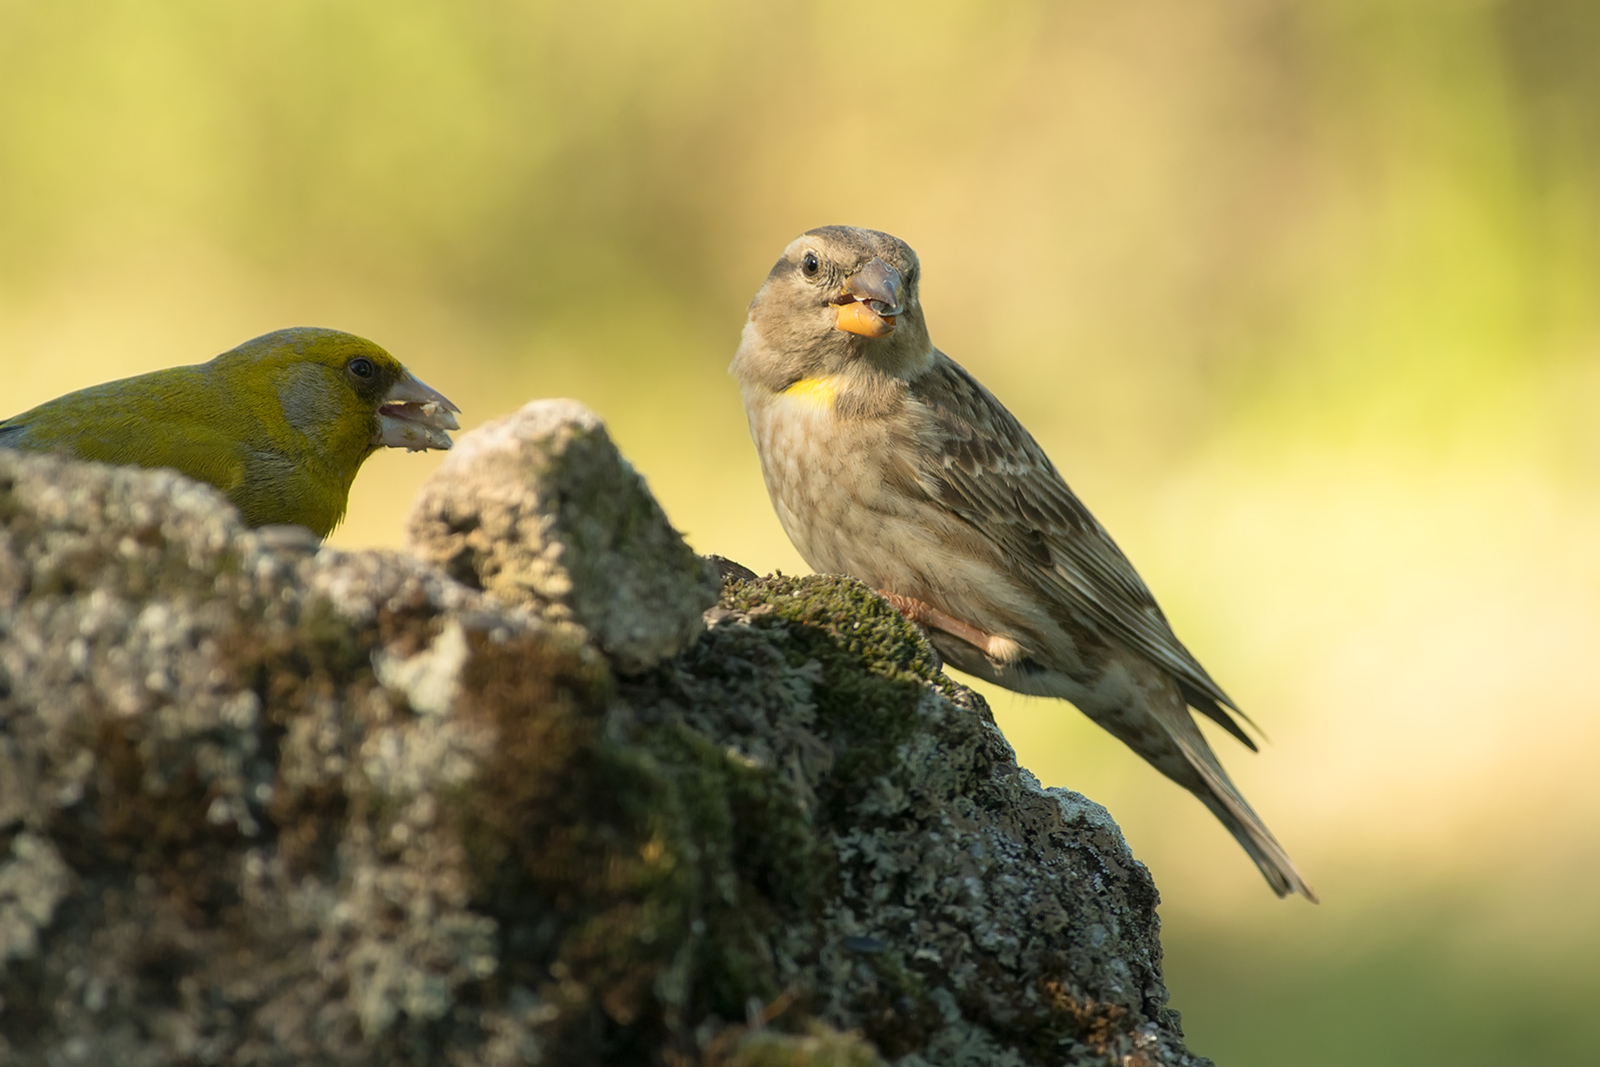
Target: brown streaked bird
(887, 461)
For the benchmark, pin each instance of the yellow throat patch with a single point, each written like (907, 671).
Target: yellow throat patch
(814, 392)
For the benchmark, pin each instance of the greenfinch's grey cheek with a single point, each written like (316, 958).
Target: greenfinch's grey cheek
(308, 398)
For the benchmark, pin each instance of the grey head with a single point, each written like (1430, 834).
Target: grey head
(839, 298)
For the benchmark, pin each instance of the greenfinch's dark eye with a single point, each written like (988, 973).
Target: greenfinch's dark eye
(361, 367)
(810, 264)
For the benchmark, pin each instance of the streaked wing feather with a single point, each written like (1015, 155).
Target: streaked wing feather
(991, 472)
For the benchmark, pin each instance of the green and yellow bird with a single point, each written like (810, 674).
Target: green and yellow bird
(280, 424)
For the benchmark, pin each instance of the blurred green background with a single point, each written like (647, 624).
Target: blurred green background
(1302, 298)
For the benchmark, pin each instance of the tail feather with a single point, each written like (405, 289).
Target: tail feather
(1154, 720)
(1246, 826)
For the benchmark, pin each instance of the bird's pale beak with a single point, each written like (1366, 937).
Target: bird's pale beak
(414, 417)
(869, 301)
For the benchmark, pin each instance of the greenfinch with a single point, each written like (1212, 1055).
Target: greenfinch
(280, 424)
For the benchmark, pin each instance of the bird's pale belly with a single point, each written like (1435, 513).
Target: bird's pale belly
(826, 481)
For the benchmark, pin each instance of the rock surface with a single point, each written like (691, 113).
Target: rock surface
(263, 802)
(539, 508)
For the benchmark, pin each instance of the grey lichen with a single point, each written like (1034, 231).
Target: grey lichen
(966, 920)
(32, 882)
(266, 803)
(539, 508)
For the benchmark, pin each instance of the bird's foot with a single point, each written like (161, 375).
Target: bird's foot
(915, 612)
(1002, 650)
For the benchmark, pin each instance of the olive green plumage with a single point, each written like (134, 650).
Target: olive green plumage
(280, 424)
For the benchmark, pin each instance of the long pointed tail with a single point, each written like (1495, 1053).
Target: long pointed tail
(1158, 725)
(1244, 824)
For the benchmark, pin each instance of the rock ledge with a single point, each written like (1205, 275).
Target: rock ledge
(263, 802)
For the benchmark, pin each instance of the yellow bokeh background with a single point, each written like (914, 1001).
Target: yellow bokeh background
(1301, 297)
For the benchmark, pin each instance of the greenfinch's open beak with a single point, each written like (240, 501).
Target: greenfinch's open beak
(414, 417)
(869, 301)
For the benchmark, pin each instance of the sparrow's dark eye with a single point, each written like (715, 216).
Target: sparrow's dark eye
(809, 264)
(361, 367)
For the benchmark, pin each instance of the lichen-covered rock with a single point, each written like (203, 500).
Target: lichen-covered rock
(540, 508)
(944, 903)
(265, 803)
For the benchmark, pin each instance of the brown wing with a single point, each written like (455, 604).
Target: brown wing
(988, 470)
